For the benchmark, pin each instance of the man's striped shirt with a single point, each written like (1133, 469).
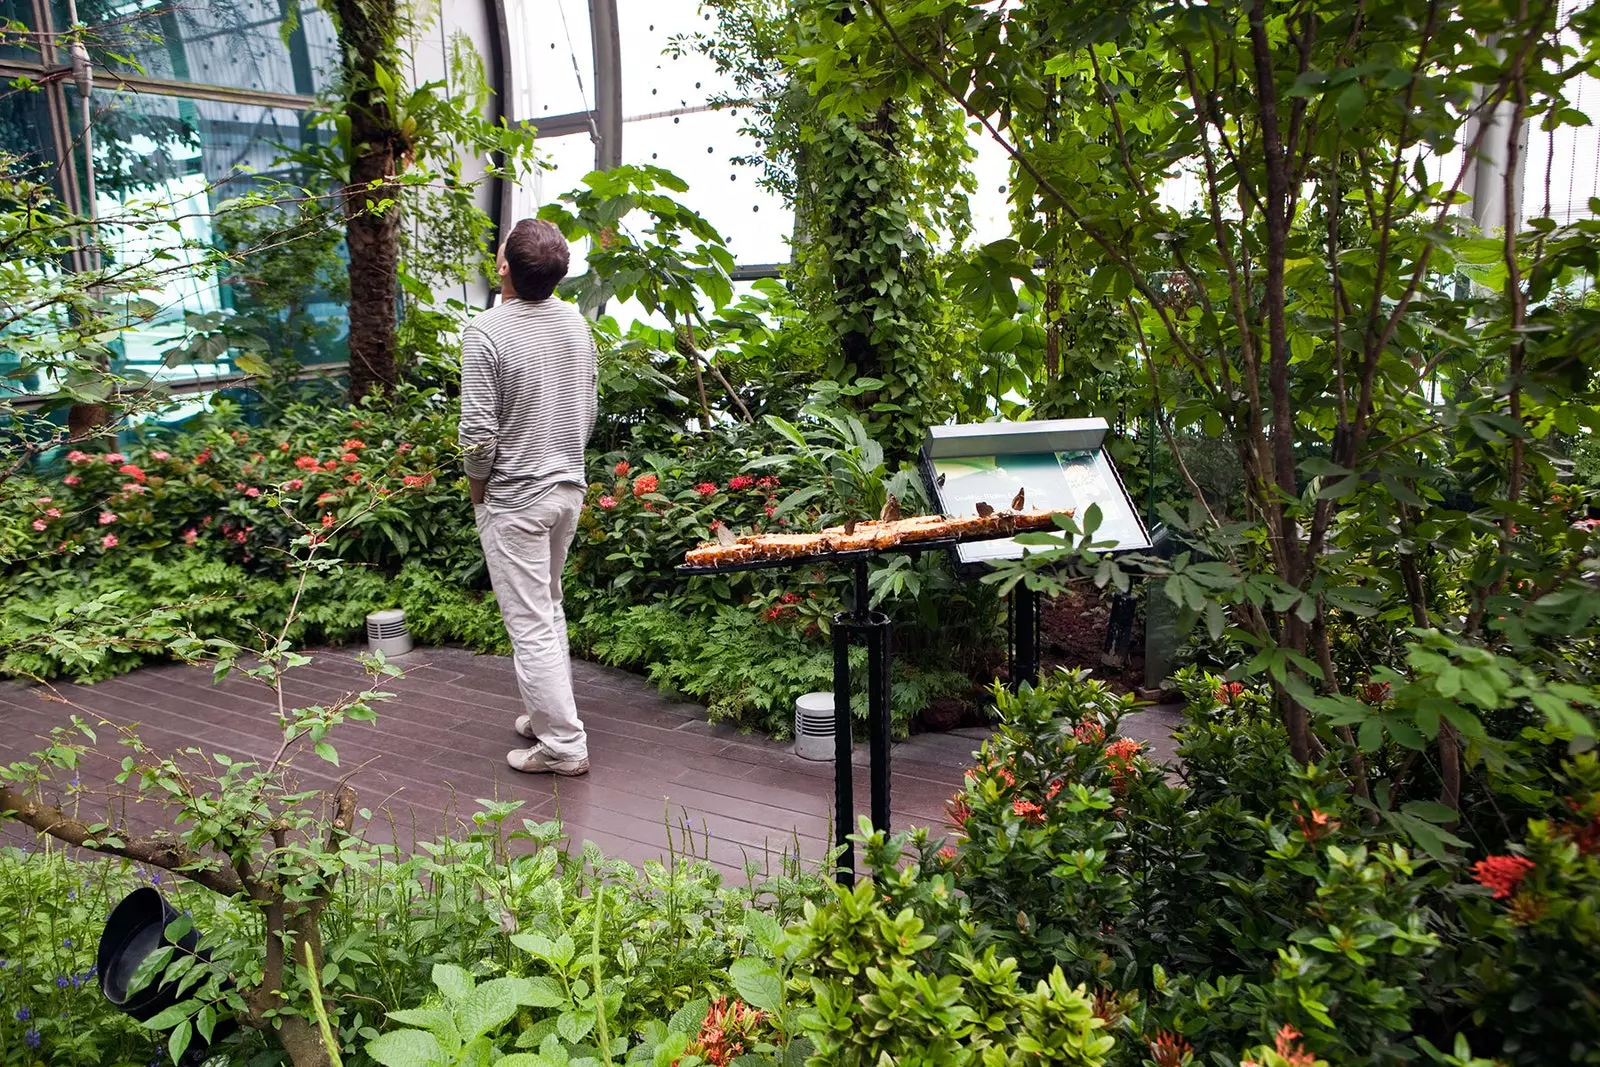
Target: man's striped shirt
(528, 398)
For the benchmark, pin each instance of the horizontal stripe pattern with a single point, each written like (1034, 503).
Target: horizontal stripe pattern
(528, 398)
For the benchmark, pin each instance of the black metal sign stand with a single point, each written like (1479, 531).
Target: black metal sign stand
(872, 629)
(1025, 645)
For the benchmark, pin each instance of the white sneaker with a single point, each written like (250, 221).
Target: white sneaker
(536, 760)
(525, 728)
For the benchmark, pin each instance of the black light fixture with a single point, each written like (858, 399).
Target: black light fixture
(134, 931)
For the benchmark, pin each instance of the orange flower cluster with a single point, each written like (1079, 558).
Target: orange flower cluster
(1502, 873)
(1315, 825)
(1167, 1049)
(724, 1033)
(1028, 810)
(1089, 733)
(959, 810)
(1225, 694)
(1120, 755)
(1287, 1044)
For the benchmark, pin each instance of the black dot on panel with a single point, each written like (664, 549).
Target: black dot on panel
(756, 207)
(697, 85)
(674, 121)
(708, 150)
(653, 155)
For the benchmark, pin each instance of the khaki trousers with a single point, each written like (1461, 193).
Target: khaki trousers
(526, 548)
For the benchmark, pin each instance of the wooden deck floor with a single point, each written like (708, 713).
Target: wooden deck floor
(656, 766)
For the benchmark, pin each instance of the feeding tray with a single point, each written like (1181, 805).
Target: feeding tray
(843, 545)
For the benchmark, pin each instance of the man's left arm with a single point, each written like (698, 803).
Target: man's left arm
(480, 412)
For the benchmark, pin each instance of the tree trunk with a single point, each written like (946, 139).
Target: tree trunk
(378, 152)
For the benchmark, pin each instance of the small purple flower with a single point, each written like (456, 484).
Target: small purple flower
(67, 942)
(32, 1038)
(72, 894)
(155, 878)
(62, 982)
(23, 1015)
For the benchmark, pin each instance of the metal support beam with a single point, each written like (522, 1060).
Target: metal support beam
(607, 83)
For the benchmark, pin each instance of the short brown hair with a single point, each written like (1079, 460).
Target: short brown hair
(537, 258)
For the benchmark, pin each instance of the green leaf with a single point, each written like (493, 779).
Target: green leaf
(171, 1016)
(407, 1048)
(179, 928)
(757, 983)
(178, 1041)
(573, 1026)
(689, 1018)
(1430, 811)
(452, 981)
(327, 752)
(489, 1006)
(544, 992)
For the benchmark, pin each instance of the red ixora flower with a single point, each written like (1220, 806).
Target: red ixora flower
(353, 444)
(723, 1035)
(350, 457)
(329, 465)
(327, 521)
(108, 541)
(1502, 873)
(1225, 694)
(743, 481)
(608, 502)
(1375, 692)
(293, 483)
(107, 518)
(1287, 1043)
(76, 456)
(413, 481)
(621, 469)
(769, 482)
(1316, 824)
(1027, 809)
(252, 492)
(645, 483)
(190, 536)
(1089, 733)
(959, 811)
(132, 471)
(71, 479)
(307, 463)
(1167, 1049)
(706, 489)
(1123, 748)
(947, 855)
(160, 456)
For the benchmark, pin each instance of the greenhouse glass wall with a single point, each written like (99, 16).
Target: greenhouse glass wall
(198, 101)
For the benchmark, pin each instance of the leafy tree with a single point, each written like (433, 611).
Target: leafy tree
(1309, 307)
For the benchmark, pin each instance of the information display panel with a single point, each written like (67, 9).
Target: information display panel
(1057, 464)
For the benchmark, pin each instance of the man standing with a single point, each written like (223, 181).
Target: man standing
(528, 401)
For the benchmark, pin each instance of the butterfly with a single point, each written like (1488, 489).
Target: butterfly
(1016, 501)
(984, 510)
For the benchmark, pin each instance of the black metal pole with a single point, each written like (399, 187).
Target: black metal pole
(879, 696)
(843, 783)
(1025, 616)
